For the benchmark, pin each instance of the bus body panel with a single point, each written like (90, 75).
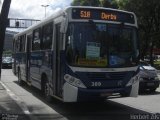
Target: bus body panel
(100, 83)
(74, 94)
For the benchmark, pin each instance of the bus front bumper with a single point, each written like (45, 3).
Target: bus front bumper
(75, 94)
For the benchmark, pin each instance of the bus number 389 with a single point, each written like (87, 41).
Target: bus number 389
(96, 84)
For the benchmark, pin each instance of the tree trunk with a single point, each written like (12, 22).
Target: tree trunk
(3, 24)
(151, 54)
(145, 47)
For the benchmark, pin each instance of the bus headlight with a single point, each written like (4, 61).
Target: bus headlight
(133, 81)
(74, 81)
(140, 79)
(156, 78)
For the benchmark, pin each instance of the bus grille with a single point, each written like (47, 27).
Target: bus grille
(107, 76)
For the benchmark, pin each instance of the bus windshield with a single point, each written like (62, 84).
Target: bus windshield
(90, 44)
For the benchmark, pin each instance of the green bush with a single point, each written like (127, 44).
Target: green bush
(7, 53)
(157, 64)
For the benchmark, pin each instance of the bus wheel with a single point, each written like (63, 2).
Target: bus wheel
(47, 95)
(20, 82)
(152, 89)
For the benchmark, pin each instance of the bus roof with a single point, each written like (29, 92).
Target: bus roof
(65, 10)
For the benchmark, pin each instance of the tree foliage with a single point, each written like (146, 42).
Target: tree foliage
(96, 3)
(85, 3)
(120, 4)
(148, 14)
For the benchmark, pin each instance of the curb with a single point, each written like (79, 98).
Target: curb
(18, 101)
(1, 87)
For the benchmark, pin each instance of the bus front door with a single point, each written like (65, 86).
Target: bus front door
(57, 75)
(28, 55)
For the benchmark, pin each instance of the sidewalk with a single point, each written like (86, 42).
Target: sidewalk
(9, 109)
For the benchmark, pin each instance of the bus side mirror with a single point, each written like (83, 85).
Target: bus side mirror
(64, 25)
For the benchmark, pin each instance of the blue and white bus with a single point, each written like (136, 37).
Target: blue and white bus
(80, 54)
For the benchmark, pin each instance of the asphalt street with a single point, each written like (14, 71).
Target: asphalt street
(27, 102)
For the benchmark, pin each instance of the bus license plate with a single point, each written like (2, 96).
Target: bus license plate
(105, 94)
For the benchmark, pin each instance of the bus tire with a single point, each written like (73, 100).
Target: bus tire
(46, 90)
(152, 89)
(124, 95)
(20, 82)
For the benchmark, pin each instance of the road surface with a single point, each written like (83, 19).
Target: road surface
(31, 102)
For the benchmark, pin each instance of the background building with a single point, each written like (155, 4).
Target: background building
(9, 40)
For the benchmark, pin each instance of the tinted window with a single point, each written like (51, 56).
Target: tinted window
(101, 45)
(17, 46)
(36, 39)
(47, 36)
(22, 40)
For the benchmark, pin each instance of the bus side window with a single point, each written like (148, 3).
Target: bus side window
(36, 39)
(47, 33)
(18, 45)
(22, 43)
(13, 45)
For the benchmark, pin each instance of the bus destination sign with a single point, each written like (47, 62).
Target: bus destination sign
(101, 14)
